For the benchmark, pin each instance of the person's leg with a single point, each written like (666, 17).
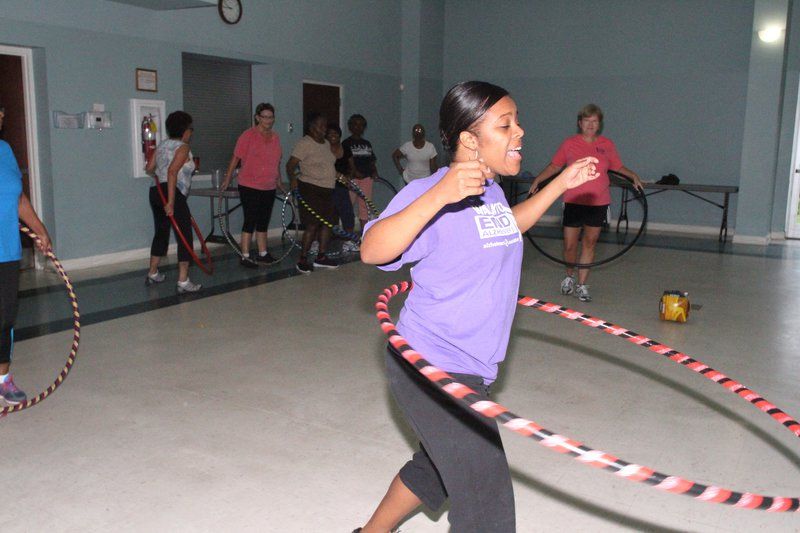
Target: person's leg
(588, 244)
(344, 208)
(398, 502)
(571, 239)
(9, 288)
(460, 450)
(363, 213)
(184, 220)
(266, 201)
(161, 226)
(324, 238)
(249, 200)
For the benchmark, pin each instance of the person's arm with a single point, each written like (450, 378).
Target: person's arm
(396, 156)
(388, 238)
(434, 165)
(280, 179)
(229, 173)
(181, 156)
(292, 171)
(548, 172)
(527, 213)
(150, 168)
(29, 217)
(632, 176)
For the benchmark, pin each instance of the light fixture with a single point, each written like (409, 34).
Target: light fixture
(770, 34)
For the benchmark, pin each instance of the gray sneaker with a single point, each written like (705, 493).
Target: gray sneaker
(568, 285)
(582, 292)
(10, 393)
(152, 279)
(188, 286)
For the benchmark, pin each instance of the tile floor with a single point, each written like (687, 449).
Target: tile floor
(260, 404)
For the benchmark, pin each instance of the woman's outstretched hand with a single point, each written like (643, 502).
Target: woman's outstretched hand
(579, 172)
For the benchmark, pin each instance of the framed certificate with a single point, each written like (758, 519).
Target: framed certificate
(146, 80)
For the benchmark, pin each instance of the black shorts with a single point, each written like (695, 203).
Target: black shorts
(577, 215)
(321, 201)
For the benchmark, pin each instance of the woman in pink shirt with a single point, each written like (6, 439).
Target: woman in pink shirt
(585, 206)
(259, 151)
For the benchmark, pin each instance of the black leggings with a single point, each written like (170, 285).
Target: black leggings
(9, 286)
(162, 224)
(257, 207)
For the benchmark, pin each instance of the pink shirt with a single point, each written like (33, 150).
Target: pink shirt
(593, 192)
(260, 159)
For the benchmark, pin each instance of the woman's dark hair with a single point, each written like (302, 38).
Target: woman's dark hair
(310, 118)
(462, 107)
(262, 106)
(355, 117)
(177, 123)
(335, 127)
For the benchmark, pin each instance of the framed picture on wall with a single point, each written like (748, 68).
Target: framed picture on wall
(146, 80)
(147, 123)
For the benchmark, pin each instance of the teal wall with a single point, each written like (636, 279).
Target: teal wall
(671, 77)
(677, 80)
(87, 51)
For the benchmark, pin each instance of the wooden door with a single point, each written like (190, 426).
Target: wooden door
(325, 99)
(14, 130)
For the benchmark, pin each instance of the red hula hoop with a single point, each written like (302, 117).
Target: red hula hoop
(208, 267)
(596, 458)
(76, 336)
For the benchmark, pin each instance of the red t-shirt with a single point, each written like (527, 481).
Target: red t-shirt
(260, 159)
(593, 192)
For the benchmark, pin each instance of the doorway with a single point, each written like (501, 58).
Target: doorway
(19, 128)
(325, 98)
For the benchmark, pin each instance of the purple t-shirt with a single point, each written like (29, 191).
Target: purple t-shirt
(469, 257)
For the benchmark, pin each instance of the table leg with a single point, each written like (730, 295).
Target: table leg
(723, 229)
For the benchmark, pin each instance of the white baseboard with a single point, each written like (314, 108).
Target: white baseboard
(660, 227)
(138, 254)
(751, 239)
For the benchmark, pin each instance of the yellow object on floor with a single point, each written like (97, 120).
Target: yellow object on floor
(674, 306)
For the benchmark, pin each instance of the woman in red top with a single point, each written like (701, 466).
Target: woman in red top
(259, 151)
(585, 206)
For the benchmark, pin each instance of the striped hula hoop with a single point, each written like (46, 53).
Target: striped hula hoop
(562, 444)
(76, 337)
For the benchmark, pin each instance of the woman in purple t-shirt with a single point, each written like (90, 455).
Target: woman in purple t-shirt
(466, 242)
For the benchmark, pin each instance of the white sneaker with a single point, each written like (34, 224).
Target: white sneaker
(582, 292)
(314, 247)
(152, 279)
(568, 285)
(350, 246)
(188, 286)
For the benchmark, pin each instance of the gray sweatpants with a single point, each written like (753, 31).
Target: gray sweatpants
(461, 455)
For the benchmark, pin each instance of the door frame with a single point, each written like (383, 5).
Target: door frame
(329, 84)
(792, 226)
(31, 127)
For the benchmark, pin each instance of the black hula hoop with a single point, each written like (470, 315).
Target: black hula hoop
(387, 183)
(641, 197)
(208, 267)
(76, 336)
(236, 247)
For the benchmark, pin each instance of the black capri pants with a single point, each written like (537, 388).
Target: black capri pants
(461, 456)
(162, 224)
(257, 207)
(9, 287)
(321, 201)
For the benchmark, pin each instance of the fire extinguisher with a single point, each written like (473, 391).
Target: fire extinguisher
(148, 137)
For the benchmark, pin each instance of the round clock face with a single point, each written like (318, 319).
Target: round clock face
(230, 10)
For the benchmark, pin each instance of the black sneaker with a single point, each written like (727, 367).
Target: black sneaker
(322, 261)
(304, 267)
(265, 258)
(247, 262)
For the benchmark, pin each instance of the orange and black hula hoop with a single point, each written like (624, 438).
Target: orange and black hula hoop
(208, 266)
(596, 458)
